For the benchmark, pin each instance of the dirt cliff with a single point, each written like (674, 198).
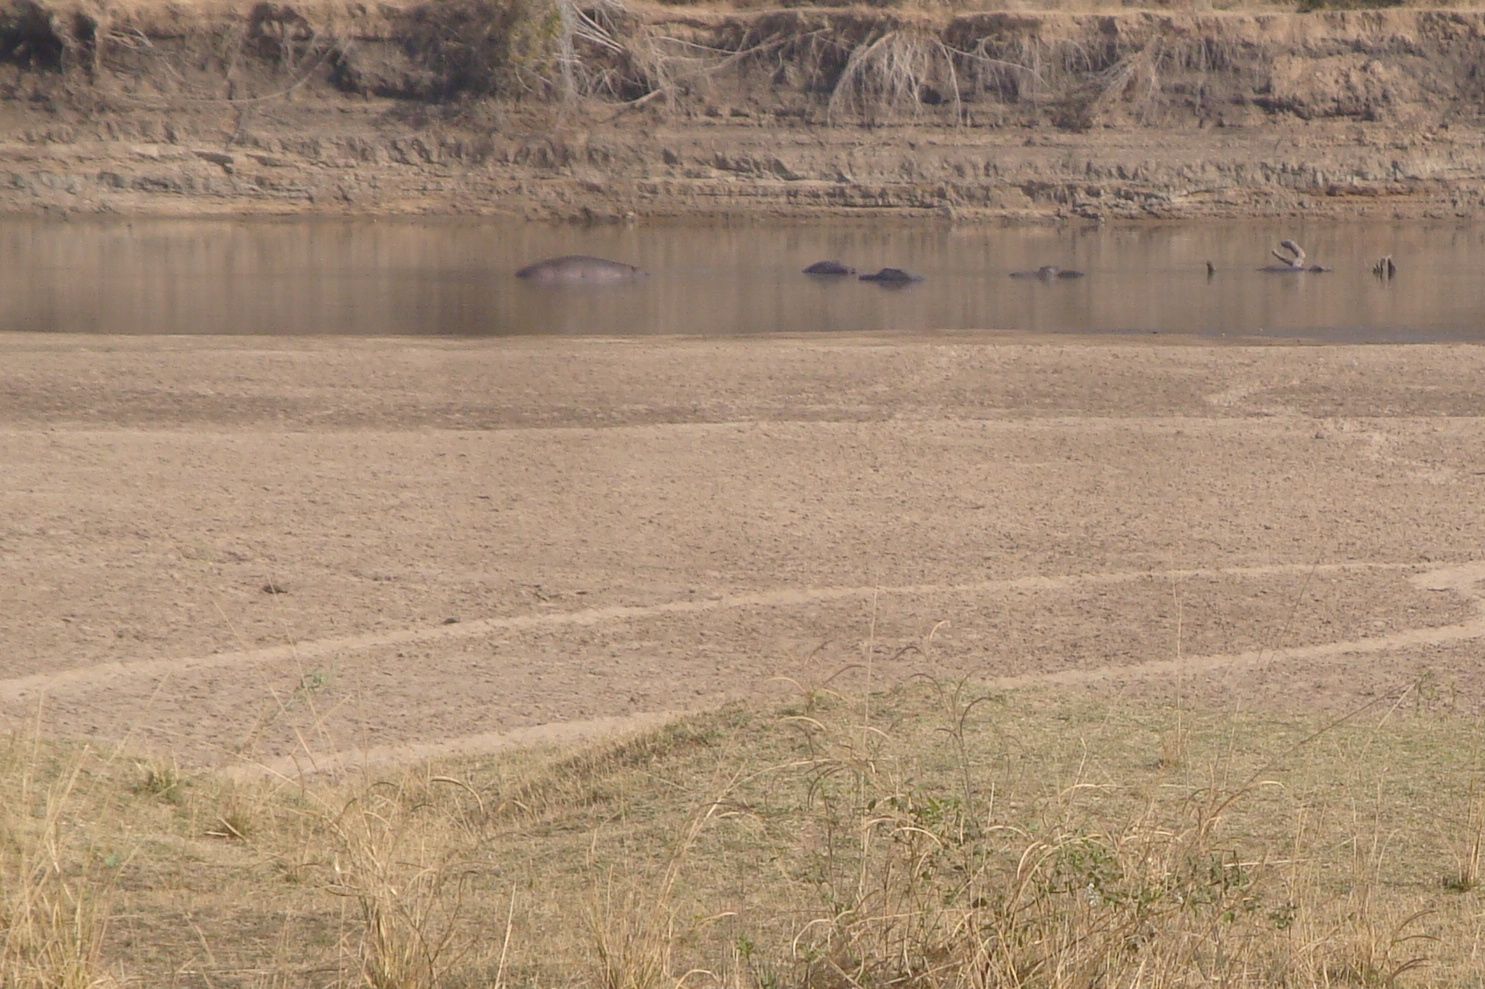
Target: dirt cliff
(597, 108)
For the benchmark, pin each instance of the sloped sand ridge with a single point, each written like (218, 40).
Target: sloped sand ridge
(604, 533)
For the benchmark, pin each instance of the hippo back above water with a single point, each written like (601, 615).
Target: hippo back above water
(577, 269)
(829, 268)
(892, 276)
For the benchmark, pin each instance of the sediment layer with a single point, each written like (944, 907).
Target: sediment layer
(465, 107)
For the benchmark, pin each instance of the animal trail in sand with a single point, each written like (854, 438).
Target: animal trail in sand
(1466, 580)
(1462, 579)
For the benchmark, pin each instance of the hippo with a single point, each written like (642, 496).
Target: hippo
(579, 269)
(1294, 261)
(892, 276)
(1048, 272)
(829, 268)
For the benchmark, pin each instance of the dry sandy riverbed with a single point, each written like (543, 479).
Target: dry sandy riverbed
(487, 541)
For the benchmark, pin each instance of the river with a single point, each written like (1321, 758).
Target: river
(449, 277)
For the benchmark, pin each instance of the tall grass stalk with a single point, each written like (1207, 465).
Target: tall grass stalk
(54, 901)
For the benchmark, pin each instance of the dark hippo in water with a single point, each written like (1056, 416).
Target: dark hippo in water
(576, 269)
(1047, 272)
(1294, 261)
(892, 276)
(829, 268)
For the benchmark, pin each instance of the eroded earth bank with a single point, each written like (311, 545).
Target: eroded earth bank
(613, 110)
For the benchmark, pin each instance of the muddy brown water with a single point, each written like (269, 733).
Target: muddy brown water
(440, 277)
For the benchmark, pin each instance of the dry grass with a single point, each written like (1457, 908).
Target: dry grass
(898, 70)
(875, 66)
(408, 878)
(54, 903)
(519, 48)
(1076, 73)
(934, 837)
(474, 63)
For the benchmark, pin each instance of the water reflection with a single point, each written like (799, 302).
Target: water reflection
(419, 277)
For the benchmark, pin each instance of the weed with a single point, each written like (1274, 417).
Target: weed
(1466, 844)
(928, 836)
(924, 881)
(409, 878)
(900, 69)
(542, 48)
(632, 938)
(235, 818)
(633, 926)
(54, 903)
(161, 780)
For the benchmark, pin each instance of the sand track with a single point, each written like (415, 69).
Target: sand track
(1465, 580)
(22, 689)
(1080, 517)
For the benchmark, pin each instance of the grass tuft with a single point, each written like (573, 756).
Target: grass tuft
(899, 70)
(54, 898)
(407, 872)
(161, 780)
(1467, 841)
